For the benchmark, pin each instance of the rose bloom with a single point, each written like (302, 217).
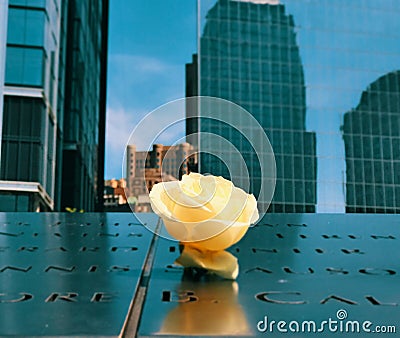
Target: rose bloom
(207, 212)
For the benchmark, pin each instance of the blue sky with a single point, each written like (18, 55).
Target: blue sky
(149, 44)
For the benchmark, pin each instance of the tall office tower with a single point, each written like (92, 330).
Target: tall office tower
(3, 37)
(248, 55)
(84, 102)
(371, 134)
(54, 108)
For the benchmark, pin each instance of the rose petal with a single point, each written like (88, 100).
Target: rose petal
(206, 210)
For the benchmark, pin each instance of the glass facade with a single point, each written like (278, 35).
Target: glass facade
(53, 109)
(29, 113)
(371, 134)
(32, 42)
(24, 140)
(300, 67)
(3, 37)
(83, 113)
(26, 68)
(249, 55)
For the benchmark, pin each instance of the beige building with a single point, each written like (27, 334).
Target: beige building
(161, 164)
(114, 194)
(162, 161)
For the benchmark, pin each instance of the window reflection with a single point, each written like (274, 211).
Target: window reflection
(26, 67)
(372, 149)
(344, 47)
(26, 27)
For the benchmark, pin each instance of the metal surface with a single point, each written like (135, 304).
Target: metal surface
(297, 268)
(69, 274)
(78, 274)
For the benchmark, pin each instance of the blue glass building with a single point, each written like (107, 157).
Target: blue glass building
(371, 134)
(54, 111)
(3, 37)
(334, 52)
(248, 54)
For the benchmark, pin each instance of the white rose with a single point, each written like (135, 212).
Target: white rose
(207, 212)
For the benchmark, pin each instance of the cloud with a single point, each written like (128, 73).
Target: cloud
(139, 63)
(120, 124)
(129, 70)
(143, 81)
(162, 125)
(156, 128)
(137, 85)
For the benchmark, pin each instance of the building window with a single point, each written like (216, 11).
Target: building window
(32, 3)
(26, 27)
(24, 66)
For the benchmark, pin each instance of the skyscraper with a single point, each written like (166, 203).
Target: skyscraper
(3, 36)
(54, 105)
(83, 131)
(371, 134)
(248, 55)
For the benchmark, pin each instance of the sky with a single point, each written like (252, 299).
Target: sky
(149, 44)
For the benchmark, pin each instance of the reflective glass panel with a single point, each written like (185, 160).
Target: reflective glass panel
(26, 27)
(24, 66)
(323, 77)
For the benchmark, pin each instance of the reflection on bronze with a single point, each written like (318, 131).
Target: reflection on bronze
(221, 262)
(211, 309)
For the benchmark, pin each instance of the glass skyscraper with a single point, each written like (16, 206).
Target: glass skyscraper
(52, 141)
(371, 134)
(84, 95)
(249, 55)
(300, 67)
(3, 37)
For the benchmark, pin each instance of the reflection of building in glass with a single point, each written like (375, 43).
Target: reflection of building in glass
(371, 135)
(249, 55)
(52, 153)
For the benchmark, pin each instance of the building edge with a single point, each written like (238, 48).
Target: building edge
(102, 108)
